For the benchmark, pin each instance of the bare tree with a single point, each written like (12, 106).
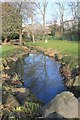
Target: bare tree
(36, 30)
(60, 6)
(42, 6)
(24, 10)
(32, 13)
(29, 12)
(20, 31)
(73, 10)
(32, 20)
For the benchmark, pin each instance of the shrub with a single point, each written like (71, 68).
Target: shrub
(10, 36)
(48, 37)
(14, 36)
(3, 38)
(71, 35)
(72, 62)
(61, 37)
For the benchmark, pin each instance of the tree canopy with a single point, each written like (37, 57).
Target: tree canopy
(11, 19)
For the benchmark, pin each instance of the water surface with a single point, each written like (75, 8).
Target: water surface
(42, 76)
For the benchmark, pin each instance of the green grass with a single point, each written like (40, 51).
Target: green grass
(8, 50)
(66, 47)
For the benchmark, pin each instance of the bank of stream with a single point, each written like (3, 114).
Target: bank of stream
(38, 73)
(42, 76)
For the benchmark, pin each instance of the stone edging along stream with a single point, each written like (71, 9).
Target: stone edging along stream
(14, 96)
(68, 76)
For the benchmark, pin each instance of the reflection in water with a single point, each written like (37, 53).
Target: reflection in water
(42, 77)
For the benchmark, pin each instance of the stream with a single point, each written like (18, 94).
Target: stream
(42, 77)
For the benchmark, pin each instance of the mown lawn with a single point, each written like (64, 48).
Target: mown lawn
(66, 47)
(8, 50)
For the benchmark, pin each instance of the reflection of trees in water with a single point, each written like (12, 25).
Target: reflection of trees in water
(42, 76)
(36, 68)
(19, 67)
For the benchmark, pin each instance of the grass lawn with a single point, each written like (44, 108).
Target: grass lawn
(66, 47)
(8, 50)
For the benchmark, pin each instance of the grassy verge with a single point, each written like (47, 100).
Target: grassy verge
(65, 47)
(8, 50)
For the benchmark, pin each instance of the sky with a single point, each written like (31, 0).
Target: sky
(38, 0)
(51, 12)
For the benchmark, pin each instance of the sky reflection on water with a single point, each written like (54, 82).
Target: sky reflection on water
(42, 77)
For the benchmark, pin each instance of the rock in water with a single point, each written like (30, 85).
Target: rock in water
(65, 104)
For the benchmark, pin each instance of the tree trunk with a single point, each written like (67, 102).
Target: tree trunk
(32, 19)
(78, 29)
(44, 16)
(20, 38)
(33, 39)
(62, 26)
(44, 24)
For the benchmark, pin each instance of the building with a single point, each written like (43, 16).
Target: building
(71, 25)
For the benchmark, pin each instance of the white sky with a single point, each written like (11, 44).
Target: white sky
(51, 13)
